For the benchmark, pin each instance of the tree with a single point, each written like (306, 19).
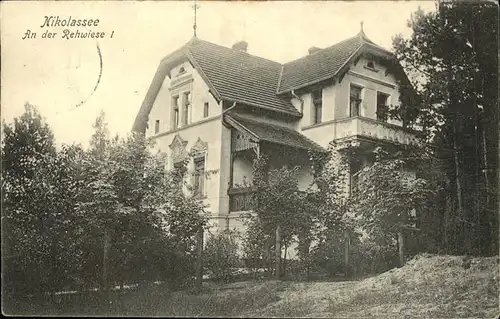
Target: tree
(387, 198)
(28, 210)
(330, 202)
(221, 255)
(453, 53)
(138, 209)
(283, 214)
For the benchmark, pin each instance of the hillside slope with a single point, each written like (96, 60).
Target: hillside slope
(427, 286)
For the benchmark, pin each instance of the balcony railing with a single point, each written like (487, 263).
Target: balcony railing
(240, 199)
(359, 126)
(363, 126)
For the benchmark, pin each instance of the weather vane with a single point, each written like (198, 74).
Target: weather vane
(195, 6)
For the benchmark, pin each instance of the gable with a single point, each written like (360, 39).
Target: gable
(230, 75)
(181, 78)
(328, 63)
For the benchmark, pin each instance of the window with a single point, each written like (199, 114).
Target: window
(355, 100)
(179, 171)
(182, 70)
(370, 65)
(187, 102)
(199, 176)
(382, 107)
(175, 111)
(205, 110)
(157, 126)
(317, 97)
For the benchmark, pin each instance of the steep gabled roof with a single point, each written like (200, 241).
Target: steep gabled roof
(232, 75)
(324, 63)
(236, 76)
(241, 77)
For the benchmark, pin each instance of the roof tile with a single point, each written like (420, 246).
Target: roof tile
(239, 76)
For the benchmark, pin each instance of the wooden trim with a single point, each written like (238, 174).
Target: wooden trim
(241, 190)
(181, 83)
(241, 128)
(231, 168)
(368, 78)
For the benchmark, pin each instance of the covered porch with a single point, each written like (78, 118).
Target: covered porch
(282, 145)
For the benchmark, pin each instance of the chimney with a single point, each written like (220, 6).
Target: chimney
(241, 45)
(314, 49)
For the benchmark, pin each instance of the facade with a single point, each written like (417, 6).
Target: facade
(225, 106)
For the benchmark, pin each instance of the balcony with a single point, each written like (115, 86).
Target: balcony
(240, 199)
(362, 127)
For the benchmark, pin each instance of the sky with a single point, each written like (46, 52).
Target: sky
(56, 74)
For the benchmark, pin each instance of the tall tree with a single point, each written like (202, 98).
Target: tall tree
(27, 148)
(453, 55)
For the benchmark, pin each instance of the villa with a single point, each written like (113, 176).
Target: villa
(227, 106)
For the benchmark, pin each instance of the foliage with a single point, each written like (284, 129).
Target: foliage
(62, 208)
(278, 202)
(258, 246)
(27, 212)
(387, 194)
(452, 54)
(221, 255)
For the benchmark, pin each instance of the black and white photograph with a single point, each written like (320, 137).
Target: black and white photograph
(198, 158)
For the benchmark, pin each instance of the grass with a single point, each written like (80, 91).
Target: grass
(428, 286)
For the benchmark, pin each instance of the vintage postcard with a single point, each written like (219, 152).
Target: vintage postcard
(250, 158)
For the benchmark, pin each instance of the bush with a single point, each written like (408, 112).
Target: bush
(258, 247)
(221, 255)
(367, 256)
(328, 256)
(372, 257)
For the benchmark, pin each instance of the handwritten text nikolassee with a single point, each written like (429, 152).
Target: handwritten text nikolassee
(74, 28)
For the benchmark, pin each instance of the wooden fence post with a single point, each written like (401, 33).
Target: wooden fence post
(199, 264)
(347, 240)
(278, 253)
(401, 247)
(107, 240)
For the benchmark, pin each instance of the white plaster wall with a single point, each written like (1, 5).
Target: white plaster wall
(209, 132)
(162, 105)
(224, 176)
(242, 172)
(208, 129)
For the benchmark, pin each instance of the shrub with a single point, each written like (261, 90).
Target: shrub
(258, 247)
(221, 255)
(371, 257)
